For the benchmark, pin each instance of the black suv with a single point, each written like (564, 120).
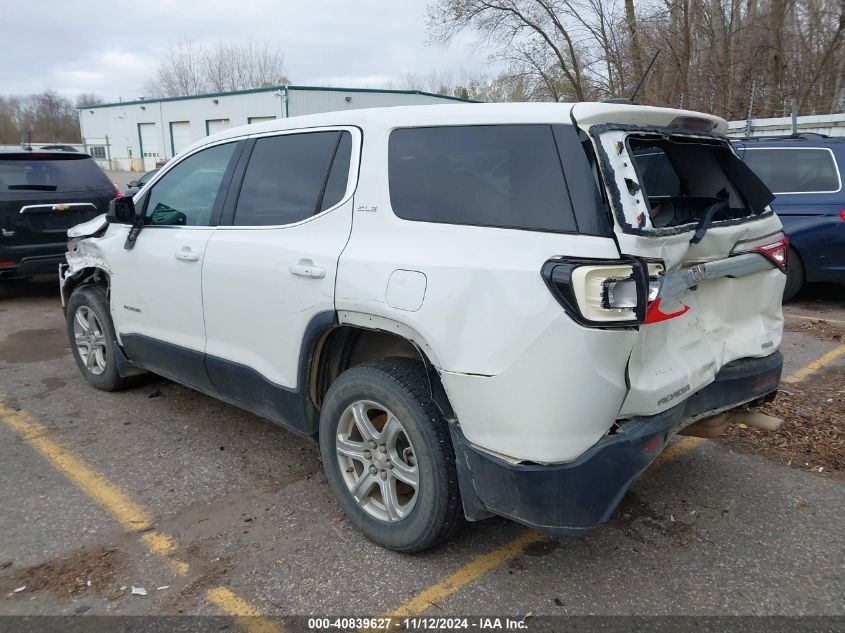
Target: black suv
(42, 194)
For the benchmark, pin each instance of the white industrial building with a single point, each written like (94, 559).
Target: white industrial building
(138, 135)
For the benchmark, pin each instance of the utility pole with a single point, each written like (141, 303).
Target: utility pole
(748, 126)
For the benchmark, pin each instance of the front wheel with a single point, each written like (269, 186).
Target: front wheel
(388, 455)
(92, 338)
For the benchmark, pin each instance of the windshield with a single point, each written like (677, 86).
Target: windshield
(59, 175)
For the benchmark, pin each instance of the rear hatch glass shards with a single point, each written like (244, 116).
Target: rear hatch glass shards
(666, 181)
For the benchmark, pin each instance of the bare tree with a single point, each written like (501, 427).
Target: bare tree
(714, 51)
(45, 117)
(88, 99)
(516, 23)
(189, 68)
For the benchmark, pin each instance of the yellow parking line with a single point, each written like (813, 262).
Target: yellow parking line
(128, 513)
(248, 616)
(684, 444)
(810, 368)
(813, 318)
(473, 570)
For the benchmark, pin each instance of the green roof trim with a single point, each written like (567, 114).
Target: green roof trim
(212, 95)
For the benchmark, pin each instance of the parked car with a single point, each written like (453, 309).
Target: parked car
(134, 186)
(805, 173)
(473, 308)
(62, 148)
(42, 194)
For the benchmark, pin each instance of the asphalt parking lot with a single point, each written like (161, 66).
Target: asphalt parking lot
(212, 510)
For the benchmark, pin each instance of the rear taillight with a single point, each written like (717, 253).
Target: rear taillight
(602, 293)
(119, 194)
(842, 214)
(773, 247)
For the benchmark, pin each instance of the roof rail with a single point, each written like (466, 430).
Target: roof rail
(801, 136)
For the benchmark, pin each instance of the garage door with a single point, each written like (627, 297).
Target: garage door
(150, 150)
(212, 126)
(259, 119)
(180, 135)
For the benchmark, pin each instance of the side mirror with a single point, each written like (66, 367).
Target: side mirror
(134, 183)
(121, 211)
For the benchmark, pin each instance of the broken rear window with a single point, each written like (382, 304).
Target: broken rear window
(682, 177)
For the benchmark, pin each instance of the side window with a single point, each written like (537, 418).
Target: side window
(291, 177)
(186, 194)
(506, 176)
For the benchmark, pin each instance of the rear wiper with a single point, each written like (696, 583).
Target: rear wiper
(32, 187)
(707, 220)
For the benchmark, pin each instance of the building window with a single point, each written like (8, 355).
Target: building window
(97, 151)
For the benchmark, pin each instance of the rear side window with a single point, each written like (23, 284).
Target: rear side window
(292, 177)
(63, 175)
(505, 176)
(794, 169)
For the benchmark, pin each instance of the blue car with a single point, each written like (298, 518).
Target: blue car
(804, 171)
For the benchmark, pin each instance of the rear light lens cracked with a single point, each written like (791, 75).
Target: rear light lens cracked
(602, 293)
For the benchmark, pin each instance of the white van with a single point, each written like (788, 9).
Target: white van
(475, 309)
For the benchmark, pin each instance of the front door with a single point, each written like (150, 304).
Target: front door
(268, 278)
(156, 286)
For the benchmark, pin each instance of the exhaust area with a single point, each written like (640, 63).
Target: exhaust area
(715, 426)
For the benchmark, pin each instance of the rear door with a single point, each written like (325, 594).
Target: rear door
(269, 273)
(684, 203)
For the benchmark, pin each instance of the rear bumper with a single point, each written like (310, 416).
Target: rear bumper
(572, 497)
(27, 260)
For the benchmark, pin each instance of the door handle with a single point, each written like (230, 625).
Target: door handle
(306, 268)
(185, 254)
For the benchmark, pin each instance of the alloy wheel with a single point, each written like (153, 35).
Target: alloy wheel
(377, 461)
(90, 340)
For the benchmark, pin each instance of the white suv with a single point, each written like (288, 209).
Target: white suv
(475, 309)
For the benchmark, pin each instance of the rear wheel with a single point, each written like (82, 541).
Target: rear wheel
(794, 275)
(92, 338)
(388, 455)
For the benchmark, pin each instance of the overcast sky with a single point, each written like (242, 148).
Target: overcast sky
(111, 47)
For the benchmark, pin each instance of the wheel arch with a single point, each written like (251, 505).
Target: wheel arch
(359, 339)
(89, 275)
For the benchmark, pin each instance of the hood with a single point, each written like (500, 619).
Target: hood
(91, 227)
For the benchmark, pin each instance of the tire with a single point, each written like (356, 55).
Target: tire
(386, 404)
(89, 304)
(794, 275)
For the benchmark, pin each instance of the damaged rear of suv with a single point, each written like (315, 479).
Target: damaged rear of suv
(531, 301)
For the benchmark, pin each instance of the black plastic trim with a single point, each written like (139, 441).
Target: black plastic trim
(226, 212)
(592, 215)
(570, 498)
(236, 383)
